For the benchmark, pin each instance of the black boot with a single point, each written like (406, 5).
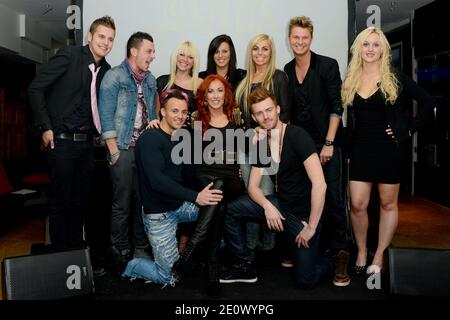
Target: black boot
(213, 247)
(213, 283)
(185, 262)
(206, 219)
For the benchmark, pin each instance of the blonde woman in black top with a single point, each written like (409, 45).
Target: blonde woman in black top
(373, 95)
(261, 72)
(184, 66)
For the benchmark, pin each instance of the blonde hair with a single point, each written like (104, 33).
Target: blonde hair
(244, 88)
(388, 83)
(302, 22)
(188, 48)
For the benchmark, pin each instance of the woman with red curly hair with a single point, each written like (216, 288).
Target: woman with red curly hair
(215, 104)
(221, 104)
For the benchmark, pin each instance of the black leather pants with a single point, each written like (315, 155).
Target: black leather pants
(208, 231)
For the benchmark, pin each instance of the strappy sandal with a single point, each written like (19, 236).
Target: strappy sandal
(359, 270)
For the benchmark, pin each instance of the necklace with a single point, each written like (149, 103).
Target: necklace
(280, 144)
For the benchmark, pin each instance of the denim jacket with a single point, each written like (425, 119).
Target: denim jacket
(117, 103)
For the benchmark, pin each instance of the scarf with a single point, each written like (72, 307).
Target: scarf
(138, 76)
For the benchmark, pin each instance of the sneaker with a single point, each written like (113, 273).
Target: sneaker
(241, 272)
(287, 263)
(341, 277)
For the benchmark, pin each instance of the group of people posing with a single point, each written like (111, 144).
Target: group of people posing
(293, 118)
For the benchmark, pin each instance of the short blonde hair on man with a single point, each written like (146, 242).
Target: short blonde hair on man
(302, 22)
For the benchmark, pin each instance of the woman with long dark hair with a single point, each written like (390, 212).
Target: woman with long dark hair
(222, 61)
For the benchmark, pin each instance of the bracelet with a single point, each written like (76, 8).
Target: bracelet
(115, 154)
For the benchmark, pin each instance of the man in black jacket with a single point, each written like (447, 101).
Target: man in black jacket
(63, 98)
(315, 85)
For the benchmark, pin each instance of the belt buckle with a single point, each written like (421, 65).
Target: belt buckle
(79, 137)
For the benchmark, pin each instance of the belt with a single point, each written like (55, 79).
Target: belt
(222, 155)
(76, 137)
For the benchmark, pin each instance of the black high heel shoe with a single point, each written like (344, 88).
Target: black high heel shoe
(359, 270)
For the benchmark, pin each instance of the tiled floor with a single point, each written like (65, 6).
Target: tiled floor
(422, 224)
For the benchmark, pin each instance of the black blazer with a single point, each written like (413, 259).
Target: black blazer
(57, 89)
(402, 126)
(325, 91)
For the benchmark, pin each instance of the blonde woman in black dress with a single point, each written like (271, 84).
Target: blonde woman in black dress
(373, 95)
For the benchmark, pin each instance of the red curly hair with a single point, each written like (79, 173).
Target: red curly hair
(203, 111)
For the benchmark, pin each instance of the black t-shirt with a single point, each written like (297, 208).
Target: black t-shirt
(220, 161)
(294, 186)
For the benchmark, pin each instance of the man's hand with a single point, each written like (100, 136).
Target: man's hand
(326, 154)
(153, 124)
(208, 197)
(305, 235)
(259, 135)
(273, 217)
(47, 139)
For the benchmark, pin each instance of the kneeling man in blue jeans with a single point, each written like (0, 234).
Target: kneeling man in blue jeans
(166, 202)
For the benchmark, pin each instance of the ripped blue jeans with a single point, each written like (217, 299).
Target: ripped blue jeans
(161, 231)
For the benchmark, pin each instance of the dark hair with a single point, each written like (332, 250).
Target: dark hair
(213, 46)
(229, 102)
(258, 95)
(105, 21)
(136, 39)
(173, 93)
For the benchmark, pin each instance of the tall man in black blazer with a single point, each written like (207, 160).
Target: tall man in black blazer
(315, 85)
(63, 98)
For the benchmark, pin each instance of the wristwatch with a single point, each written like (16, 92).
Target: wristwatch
(329, 143)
